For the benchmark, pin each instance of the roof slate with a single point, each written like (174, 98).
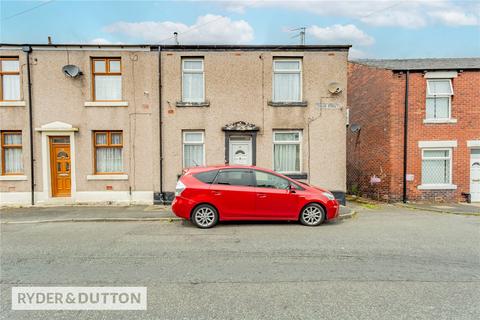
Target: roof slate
(422, 64)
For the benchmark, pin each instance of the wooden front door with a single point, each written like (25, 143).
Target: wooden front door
(60, 166)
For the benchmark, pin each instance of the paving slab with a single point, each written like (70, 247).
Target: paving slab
(454, 208)
(99, 213)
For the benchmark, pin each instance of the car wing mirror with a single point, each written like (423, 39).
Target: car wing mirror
(291, 189)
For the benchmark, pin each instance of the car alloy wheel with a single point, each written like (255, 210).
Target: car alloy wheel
(205, 216)
(312, 215)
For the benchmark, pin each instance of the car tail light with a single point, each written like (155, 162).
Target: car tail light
(179, 188)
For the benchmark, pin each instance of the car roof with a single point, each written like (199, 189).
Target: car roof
(219, 167)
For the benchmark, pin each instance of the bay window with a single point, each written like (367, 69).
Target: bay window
(107, 79)
(108, 147)
(193, 149)
(287, 151)
(11, 148)
(10, 79)
(287, 80)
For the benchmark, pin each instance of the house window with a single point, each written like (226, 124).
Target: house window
(439, 98)
(193, 149)
(12, 160)
(107, 79)
(287, 151)
(108, 147)
(436, 166)
(287, 80)
(193, 80)
(10, 79)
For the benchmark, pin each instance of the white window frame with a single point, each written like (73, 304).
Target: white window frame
(300, 70)
(447, 185)
(185, 143)
(202, 71)
(299, 142)
(441, 95)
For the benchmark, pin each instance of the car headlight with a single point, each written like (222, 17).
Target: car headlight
(329, 195)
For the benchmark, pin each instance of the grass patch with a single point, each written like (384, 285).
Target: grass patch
(370, 206)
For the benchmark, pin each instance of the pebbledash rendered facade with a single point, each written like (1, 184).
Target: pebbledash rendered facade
(124, 128)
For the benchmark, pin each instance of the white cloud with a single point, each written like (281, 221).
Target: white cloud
(387, 13)
(355, 53)
(99, 41)
(455, 18)
(338, 33)
(208, 29)
(396, 18)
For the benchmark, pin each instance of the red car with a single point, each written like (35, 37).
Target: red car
(206, 195)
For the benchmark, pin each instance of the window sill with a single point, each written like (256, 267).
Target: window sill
(183, 104)
(93, 177)
(437, 187)
(13, 178)
(439, 120)
(13, 103)
(287, 103)
(106, 104)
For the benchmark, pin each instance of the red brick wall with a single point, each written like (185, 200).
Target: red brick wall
(466, 109)
(369, 92)
(376, 101)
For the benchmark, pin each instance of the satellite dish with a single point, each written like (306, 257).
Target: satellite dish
(335, 87)
(355, 128)
(71, 71)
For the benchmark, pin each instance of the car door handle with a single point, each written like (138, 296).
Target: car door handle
(216, 193)
(261, 195)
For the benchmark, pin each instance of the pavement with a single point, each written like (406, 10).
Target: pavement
(99, 213)
(387, 262)
(453, 208)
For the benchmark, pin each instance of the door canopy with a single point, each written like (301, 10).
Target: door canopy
(240, 126)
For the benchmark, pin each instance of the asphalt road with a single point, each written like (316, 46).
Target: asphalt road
(387, 263)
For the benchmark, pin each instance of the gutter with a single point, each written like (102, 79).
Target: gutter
(405, 138)
(28, 50)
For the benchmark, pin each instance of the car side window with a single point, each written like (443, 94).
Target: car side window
(268, 180)
(207, 176)
(235, 178)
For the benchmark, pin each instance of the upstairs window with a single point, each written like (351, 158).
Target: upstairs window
(193, 80)
(439, 98)
(286, 151)
(10, 79)
(193, 149)
(11, 148)
(108, 147)
(287, 80)
(107, 79)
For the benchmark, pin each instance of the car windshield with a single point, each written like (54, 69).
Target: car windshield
(301, 182)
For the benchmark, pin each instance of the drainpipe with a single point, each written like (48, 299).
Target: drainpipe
(160, 125)
(28, 50)
(405, 139)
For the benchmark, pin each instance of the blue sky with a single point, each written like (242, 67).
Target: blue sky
(375, 28)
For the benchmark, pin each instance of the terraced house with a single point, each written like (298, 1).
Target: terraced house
(119, 123)
(415, 129)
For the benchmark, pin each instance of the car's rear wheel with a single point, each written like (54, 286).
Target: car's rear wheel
(204, 216)
(312, 215)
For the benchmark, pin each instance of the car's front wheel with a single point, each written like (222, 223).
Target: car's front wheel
(312, 215)
(204, 216)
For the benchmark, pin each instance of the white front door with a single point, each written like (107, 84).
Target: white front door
(475, 175)
(240, 151)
